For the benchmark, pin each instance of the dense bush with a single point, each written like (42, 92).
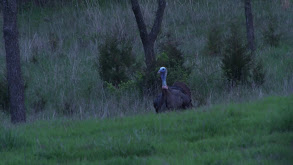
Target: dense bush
(169, 56)
(271, 34)
(149, 82)
(214, 44)
(258, 73)
(116, 60)
(38, 105)
(4, 96)
(236, 63)
(172, 57)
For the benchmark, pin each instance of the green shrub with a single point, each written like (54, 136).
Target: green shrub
(271, 34)
(127, 86)
(68, 106)
(236, 63)
(214, 44)
(258, 73)
(4, 95)
(172, 57)
(39, 103)
(116, 60)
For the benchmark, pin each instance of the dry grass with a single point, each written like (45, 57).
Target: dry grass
(59, 50)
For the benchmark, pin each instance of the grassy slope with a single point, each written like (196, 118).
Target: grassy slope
(252, 133)
(59, 50)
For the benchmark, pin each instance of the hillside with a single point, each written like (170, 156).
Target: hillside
(258, 132)
(78, 115)
(60, 50)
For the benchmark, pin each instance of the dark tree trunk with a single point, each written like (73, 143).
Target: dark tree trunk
(15, 83)
(148, 39)
(249, 25)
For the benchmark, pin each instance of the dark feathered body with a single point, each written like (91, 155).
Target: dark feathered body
(177, 96)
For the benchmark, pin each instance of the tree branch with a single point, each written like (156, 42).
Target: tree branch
(140, 22)
(148, 40)
(158, 21)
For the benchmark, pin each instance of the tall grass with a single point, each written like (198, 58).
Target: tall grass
(59, 50)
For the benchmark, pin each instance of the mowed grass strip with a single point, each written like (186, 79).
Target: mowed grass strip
(259, 132)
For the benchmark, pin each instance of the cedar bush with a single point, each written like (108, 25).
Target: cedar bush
(236, 63)
(170, 56)
(258, 73)
(116, 60)
(271, 33)
(214, 44)
(4, 95)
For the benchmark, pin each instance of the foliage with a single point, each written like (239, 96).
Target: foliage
(4, 95)
(127, 86)
(256, 133)
(258, 73)
(116, 60)
(236, 63)
(240, 66)
(214, 44)
(69, 107)
(205, 80)
(271, 33)
(171, 56)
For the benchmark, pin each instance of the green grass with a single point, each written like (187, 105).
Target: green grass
(252, 133)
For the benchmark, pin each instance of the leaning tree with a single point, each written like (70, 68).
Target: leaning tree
(15, 83)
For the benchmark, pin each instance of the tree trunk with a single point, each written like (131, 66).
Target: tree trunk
(149, 55)
(249, 25)
(15, 83)
(148, 39)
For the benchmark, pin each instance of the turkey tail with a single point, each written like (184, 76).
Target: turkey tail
(184, 88)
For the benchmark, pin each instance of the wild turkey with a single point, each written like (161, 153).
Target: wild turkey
(177, 96)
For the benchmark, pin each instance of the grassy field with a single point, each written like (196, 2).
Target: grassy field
(250, 133)
(73, 118)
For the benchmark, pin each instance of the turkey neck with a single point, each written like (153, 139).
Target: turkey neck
(163, 77)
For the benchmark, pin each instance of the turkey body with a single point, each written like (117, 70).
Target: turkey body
(174, 97)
